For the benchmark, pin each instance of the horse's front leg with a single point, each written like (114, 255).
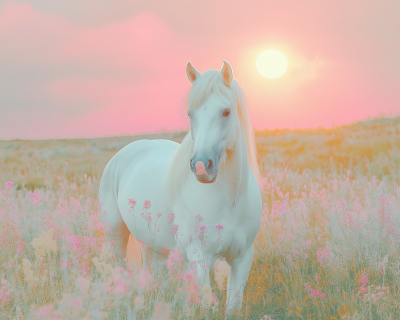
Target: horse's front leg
(199, 261)
(240, 270)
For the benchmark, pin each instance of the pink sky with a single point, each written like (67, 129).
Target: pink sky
(74, 69)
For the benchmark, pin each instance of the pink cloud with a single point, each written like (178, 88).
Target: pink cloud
(145, 100)
(14, 15)
(28, 36)
(151, 102)
(144, 40)
(125, 108)
(136, 109)
(62, 78)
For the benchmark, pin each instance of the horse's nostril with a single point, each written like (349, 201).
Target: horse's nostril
(209, 164)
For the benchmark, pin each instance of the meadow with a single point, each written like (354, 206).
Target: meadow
(328, 247)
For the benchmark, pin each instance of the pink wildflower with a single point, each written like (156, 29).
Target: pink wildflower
(364, 280)
(8, 185)
(47, 312)
(5, 292)
(145, 279)
(35, 199)
(314, 293)
(139, 302)
(174, 229)
(324, 256)
(171, 217)
(173, 258)
(146, 204)
(132, 203)
(162, 311)
(219, 226)
(19, 246)
(121, 287)
(192, 288)
(76, 303)
(83, 284)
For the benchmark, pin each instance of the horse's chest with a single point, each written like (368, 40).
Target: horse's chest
(226, 230)
(240, 234)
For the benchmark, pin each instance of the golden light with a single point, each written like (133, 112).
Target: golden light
(272, 64)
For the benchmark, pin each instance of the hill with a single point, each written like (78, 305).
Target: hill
(371, 147)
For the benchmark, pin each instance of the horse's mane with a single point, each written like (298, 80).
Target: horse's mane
(207, 83)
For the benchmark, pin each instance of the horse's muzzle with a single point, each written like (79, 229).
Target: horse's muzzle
(207, 178)
(204, 170)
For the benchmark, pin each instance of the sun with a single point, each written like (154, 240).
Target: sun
(272, 64)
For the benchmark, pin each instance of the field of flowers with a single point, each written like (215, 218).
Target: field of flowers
(328, 247)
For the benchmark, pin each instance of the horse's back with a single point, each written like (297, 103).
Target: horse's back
(134, 154)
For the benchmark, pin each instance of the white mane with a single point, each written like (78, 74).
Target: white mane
(211, 82)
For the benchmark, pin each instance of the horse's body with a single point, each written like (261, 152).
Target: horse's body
(213, 216)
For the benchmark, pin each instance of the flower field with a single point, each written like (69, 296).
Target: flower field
(328, 248)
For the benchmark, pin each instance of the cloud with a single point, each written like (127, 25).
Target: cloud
(129, 72)
(28, 36)
(69, 67)
(132, 109)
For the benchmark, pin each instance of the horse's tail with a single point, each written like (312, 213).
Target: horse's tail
(134, 253)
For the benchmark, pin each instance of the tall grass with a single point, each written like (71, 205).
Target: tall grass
(327, 249)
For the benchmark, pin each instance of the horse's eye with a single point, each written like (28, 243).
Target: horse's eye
(226, 112)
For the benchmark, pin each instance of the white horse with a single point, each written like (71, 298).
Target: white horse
(209, 182)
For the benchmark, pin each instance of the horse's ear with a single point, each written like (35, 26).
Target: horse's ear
(227, 74)
(192, 73)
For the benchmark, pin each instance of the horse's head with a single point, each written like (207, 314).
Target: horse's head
(214, 120)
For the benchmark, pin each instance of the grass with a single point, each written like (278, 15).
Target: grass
(327, 249)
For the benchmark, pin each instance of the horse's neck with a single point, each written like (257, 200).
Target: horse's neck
(232, 181)
(235, 172)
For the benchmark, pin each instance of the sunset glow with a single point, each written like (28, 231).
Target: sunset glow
(68, 71)
(272, 64)
(204, 160)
